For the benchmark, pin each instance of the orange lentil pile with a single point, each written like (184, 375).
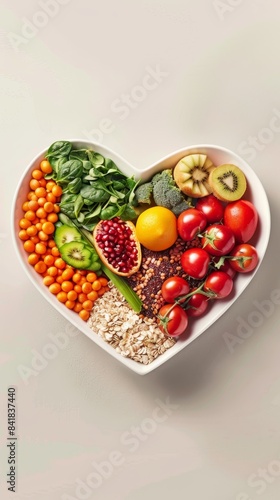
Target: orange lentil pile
(77, 289)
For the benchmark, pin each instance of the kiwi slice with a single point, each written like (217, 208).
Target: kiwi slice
(66, 234)
(191, 175)
(76, 255)
(228, 182)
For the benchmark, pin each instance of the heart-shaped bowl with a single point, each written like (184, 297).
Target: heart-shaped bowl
(219, 155)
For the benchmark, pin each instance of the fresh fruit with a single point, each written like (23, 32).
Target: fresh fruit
(228, 182)
(76, 255)
(195, 262)
(77, 251)
(212, 208)
(172, 320)
(66, 234)
(190, 223)
(242, 218)
(191, 175)
(117, 245)
(197, 304)
(156, 228)
(174, 287)
(218, 239)
(223, 264)
(245, 258)
(218, 285)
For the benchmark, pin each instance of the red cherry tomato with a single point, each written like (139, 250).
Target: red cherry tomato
(247, 258)
(218, 283)
(190, 223)
(173, 320)
(173, 287)
(195, 262)
(242, 218)
(197, 304)
(211, 207)
(225, 267)
(218, 240)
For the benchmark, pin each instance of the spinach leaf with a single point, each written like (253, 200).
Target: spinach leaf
(81, 155)
(78, 154)
(95, 158)
(109, 212)
(59, 148)
(78, 205)
(92, 214)
(69, 170)
(68, 209)
(88, 202)
(119, 185)
(128, 213)
(74, 186)
(94, 194)
(67, 198)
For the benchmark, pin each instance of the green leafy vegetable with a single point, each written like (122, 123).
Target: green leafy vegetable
(93, 186)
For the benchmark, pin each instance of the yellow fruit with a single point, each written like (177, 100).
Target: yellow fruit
(156, 228)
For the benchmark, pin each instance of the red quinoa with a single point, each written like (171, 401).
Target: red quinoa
(155, 268)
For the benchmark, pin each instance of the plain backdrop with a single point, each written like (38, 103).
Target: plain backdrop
(79, 69)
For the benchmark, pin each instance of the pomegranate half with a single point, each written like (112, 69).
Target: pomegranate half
(117, 246)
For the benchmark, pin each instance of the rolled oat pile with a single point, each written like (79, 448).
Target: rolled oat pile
(133, 336)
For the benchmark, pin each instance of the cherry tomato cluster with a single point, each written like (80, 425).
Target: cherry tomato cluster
(225, 232)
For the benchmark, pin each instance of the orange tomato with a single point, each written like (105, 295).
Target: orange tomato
(57, 191)
(24, 223)
(48, 280)
(84, 314)
(33, 258)
(29, 246)
(23, 235)
(72, 295)
(55, 288)
(78, 307)
(34, 184)
(59, 263)
(48, 227)
(96, 285)
(91, 277)
(86, 287)
(67, 286)
(40, 192)
(48, 207)
(30, 215)
(92, 295)
(40, 267)
(37, 174)
(68, 273)
(70, 304)
(46, 167)
(40, 248)
(52, 271)
(32, 230)
(62, 296)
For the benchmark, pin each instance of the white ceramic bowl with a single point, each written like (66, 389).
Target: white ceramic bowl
(218, 155)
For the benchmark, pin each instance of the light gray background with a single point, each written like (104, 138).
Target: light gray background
(220, 61)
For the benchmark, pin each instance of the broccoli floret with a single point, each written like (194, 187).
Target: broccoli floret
(181, 207)
(143, 193)
(158, 177)
(167, 194)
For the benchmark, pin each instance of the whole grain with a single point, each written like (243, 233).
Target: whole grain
(133, 336)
